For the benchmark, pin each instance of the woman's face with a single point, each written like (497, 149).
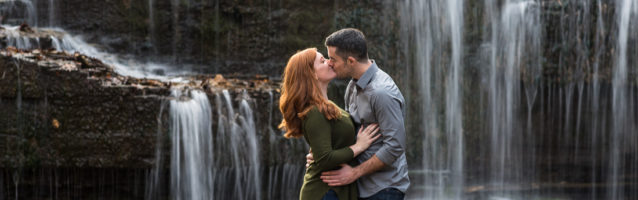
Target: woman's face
(324, 72)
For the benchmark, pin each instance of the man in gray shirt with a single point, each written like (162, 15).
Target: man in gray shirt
(371, 97)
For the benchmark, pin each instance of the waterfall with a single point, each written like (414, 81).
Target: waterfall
(595, 92)
(247, 122)
(547, 91)
(508, 99)
(19, 11)
(151, 25)
(623, 100)
(238, 166)
(176, 30)
(55, 42)
(16, 39)
(236, 135)
(77, 44)
(285, 170)
(207, 164)
(52, 10)
(74, 43)
(123, 66)
(16, 12)
(154, 181)
(515, 49)
(436, 38)
(192, 158)
(454, 108)
(18, 163)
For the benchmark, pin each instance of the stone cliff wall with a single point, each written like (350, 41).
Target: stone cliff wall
(224, 36)
(71, 127)
(62, 110)
(59, 115)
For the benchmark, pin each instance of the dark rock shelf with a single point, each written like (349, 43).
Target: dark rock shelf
(70, 110)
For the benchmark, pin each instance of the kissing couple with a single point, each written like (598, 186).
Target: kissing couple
(357, 152)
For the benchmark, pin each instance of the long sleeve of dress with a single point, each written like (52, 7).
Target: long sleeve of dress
(318, 133)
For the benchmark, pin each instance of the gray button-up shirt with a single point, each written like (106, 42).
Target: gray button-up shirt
(375, 98)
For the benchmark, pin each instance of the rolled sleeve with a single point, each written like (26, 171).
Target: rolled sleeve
(389, 114)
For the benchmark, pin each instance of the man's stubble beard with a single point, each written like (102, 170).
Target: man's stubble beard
(346, 73)
(343, 76)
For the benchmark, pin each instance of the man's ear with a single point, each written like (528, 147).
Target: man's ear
(351, 60)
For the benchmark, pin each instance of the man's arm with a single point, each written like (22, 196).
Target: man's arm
(347, 174)
(389, 114)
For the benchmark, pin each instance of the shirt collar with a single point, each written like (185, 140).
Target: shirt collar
(365, 79)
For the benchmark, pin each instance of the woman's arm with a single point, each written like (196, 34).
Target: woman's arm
(365, 137)
(317, 130)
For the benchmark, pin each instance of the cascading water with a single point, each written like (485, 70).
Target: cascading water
(192, 146)
(518, 99)
(595, 90)
(151, 26)
(63, 41)
(434, 172)
(16, 39)
(155, 178)
(16, 12)
(207, 164)
(176, 30)
(199, 165)
(285, 172)
(514, 50)
(547, 97)
(443, 161)
(453, 110)
(237, 172)
(69, 43)
(623, 134)
(52, 9)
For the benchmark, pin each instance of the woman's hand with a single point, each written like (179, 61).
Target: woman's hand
(365, 137)
(309, 158)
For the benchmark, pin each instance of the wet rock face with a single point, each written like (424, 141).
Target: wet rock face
(58, 112)
(26, 37)
(244, 37)
(71, 116)
(69, 110)
(73, 183)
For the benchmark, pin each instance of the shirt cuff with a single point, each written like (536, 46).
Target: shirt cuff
(386, 157)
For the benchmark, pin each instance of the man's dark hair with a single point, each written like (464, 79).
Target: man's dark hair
(349, 42)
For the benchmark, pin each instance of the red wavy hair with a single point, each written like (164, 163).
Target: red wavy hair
(300, 91)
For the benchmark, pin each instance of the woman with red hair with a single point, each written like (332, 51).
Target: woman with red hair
(327, 128)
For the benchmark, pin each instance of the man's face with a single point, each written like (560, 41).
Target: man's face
(338, 63)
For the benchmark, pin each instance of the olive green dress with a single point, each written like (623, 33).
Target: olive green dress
(330, 142)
